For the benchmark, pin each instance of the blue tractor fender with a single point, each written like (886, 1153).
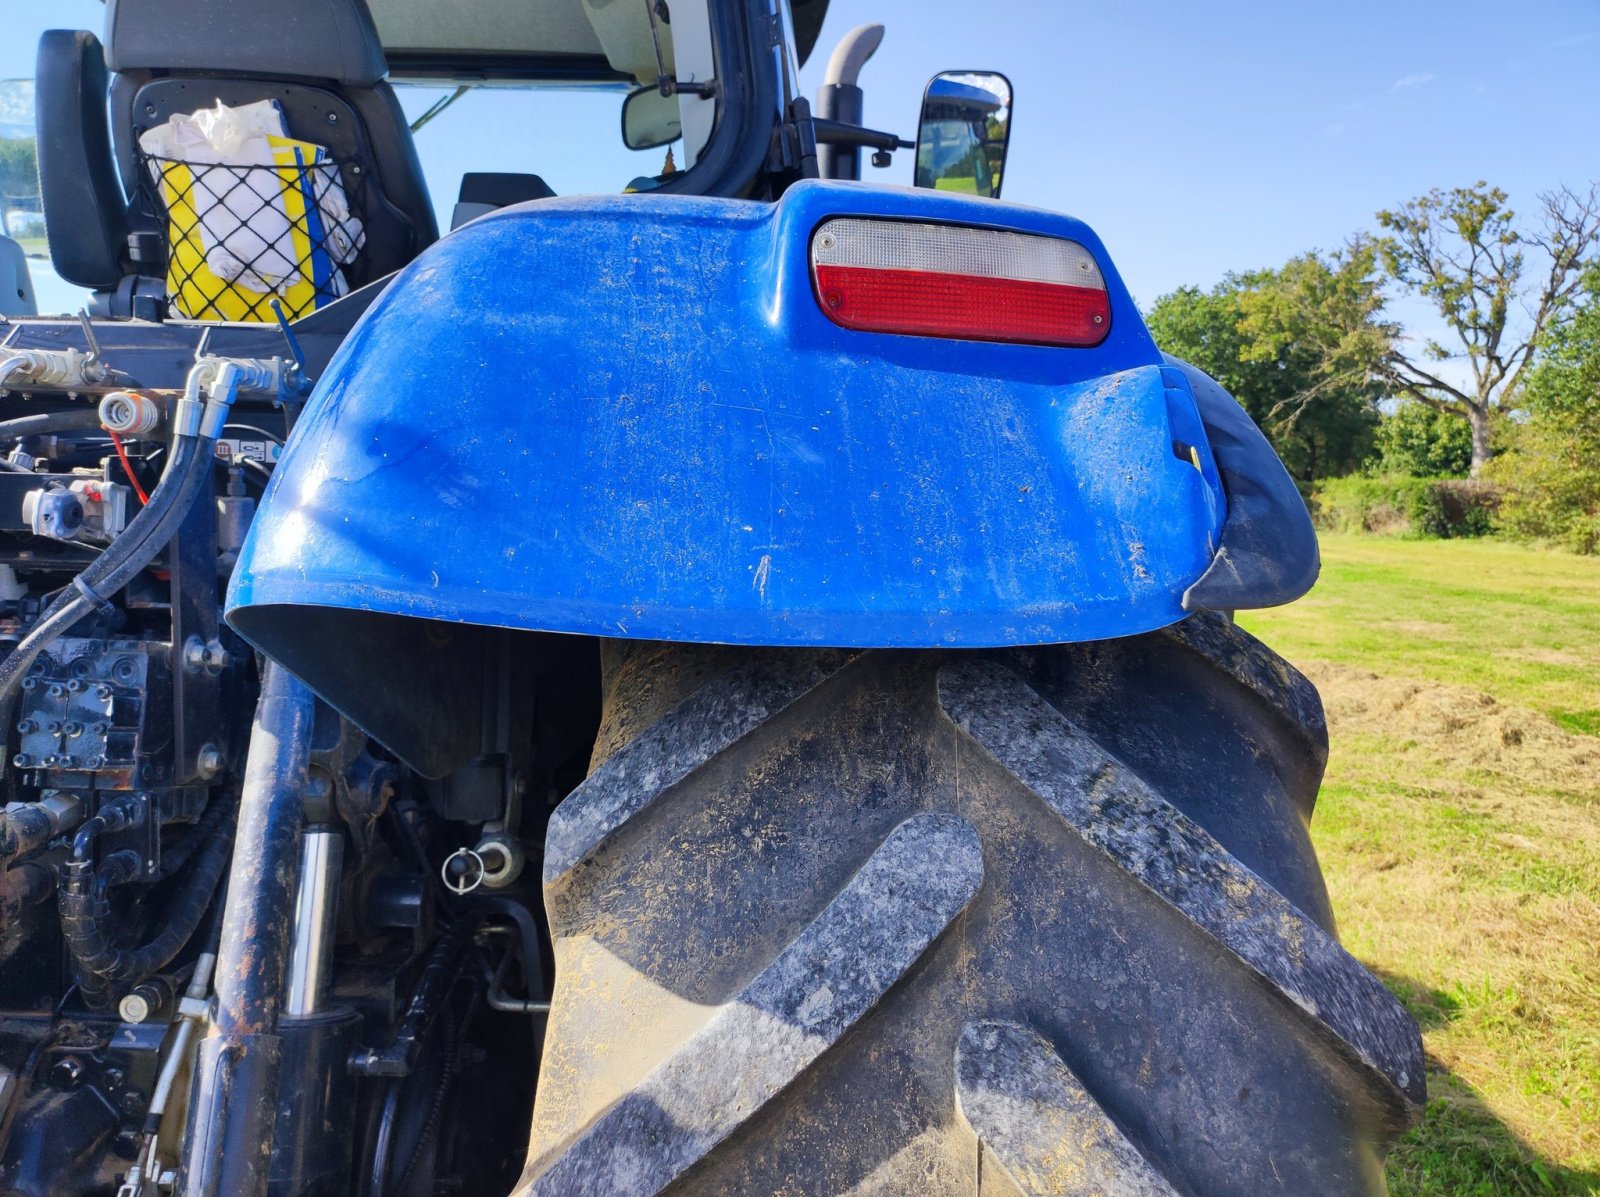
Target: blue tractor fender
(1268, 554)
(631, 417)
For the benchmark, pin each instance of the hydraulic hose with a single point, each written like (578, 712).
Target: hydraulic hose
(26, 827)
(43, 425)
(21, 886)
(197, 427)
(87, 924)
(46, 423)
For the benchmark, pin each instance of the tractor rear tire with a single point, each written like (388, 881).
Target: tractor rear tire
(1030, 921)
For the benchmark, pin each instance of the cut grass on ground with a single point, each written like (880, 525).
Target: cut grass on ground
(1459, 827)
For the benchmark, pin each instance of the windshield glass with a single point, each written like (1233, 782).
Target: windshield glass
(537, 87)
(526, 87)
(20, 215)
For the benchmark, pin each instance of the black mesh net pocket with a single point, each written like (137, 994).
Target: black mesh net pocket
(239, 237)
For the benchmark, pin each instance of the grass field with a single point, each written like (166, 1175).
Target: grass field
(1459, 827)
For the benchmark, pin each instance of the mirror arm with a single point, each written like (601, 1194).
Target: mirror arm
(656, 10)
(668, 86)
(837, 133)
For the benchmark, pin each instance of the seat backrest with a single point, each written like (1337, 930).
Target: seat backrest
(319, 59)
(84, 212)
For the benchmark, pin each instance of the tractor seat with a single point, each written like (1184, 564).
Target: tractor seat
(320, 61)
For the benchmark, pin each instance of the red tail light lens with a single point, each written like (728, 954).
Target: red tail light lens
(941, 280)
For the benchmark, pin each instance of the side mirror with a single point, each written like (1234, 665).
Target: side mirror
(650, 119)
(962, 137)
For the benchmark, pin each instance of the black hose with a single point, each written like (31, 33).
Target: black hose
(49, 422)
(257, 429)
(22, 886)
(25, 827)
(87, 924)
(46, 424)
(438, 977)
(430, 1124)
(396, 1062)
(190, 470)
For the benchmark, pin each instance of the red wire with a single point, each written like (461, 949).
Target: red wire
(127, 467)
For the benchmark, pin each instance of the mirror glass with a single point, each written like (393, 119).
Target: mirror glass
(650, 119)
(961, 140)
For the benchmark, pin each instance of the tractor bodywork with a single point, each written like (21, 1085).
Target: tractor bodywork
(633, 418)
(744, 697)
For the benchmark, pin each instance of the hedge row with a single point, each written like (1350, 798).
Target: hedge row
(1402, 506)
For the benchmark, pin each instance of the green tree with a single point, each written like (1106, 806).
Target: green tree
(19, 177)
(1550, 478)
(1418, 440)
(1266, 343)
(1465, 252)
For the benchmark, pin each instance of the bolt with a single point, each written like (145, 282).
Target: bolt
(333, 118)
(27, 727)
(56, 690)
(30, 683)
(210, 762)
(126, 1145)
(68, 1071)
(75, 686)
(112, 1078)
(72, 729)
(100, 729)
(22, 761)
(94, 762)
(103, 692)
(67, 761)
(199, 654)
(53, 727)
(132, 1102)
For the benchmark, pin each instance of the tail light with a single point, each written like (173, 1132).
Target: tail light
(942, 280)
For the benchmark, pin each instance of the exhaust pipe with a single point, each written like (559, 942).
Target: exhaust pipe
(840, 99)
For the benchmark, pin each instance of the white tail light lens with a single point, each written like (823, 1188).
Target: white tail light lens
(941, 280)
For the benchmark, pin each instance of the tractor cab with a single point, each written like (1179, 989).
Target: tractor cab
(221, 160)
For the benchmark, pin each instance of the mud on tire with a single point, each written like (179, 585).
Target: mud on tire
(1041, 921)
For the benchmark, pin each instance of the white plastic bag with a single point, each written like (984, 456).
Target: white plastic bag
(240, 211)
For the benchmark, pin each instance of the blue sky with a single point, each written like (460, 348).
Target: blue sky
(1201, 138)
(1195, 138)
